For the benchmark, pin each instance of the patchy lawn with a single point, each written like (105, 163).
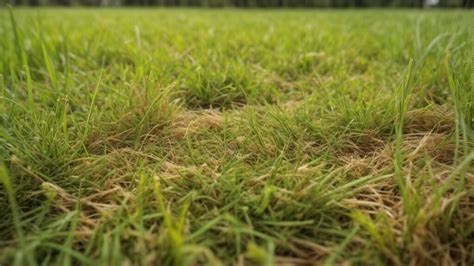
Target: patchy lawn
(191, 137)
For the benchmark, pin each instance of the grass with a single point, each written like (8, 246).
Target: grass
(188, 137)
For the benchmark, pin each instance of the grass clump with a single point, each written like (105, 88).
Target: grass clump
(184, 137)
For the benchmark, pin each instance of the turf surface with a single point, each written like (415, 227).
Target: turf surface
(190, 137)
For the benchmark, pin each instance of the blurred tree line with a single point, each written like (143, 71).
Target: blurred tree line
(251, 3)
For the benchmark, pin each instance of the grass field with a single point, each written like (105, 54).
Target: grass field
(232, 137)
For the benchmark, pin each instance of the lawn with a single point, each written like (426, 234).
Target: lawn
(236, 137)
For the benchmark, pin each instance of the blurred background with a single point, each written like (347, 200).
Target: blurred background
(254, 3)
